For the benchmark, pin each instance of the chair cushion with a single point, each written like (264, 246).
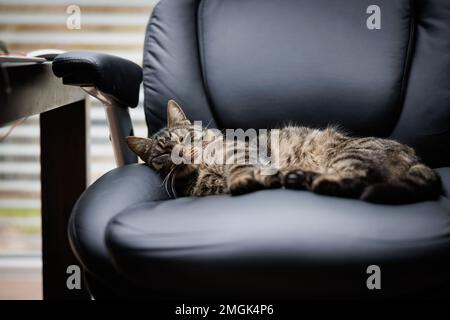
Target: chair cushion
(281, 243)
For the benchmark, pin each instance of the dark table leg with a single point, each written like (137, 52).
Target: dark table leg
(63, 179)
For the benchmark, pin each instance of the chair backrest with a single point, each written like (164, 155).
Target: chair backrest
(375, 67)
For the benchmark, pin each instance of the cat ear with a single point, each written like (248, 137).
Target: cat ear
(176, 115)
(140, 146)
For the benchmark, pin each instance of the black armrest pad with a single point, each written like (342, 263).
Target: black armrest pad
(112, 75)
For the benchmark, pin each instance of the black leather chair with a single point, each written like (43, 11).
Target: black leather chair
(258, 64)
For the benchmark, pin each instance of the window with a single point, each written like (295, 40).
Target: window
(111, 26)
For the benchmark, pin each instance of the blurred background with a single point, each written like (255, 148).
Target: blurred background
(112, 26)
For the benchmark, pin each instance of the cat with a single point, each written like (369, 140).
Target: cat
(324, 161)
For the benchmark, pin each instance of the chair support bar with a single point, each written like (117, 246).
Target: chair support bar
(120, 126)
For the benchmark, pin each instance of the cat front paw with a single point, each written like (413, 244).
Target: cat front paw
(270, 180)
(299, 179)
(327, 185)
(244, 184)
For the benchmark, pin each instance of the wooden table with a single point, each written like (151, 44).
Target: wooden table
(30, 89)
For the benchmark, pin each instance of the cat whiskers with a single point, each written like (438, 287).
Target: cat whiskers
(209, 123)
(165, 182)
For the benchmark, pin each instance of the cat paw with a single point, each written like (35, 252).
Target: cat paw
(244, 185)
(272, 181)
(327, 186)
(336, 186)
(299, 180)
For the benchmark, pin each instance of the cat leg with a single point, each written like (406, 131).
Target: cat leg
(270, 178)
(338, 185)
(343, 179)
(242, 179)
(210, 181)
(343, 183)
(347, 178)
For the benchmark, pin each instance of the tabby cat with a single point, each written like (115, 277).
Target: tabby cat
(326, 162)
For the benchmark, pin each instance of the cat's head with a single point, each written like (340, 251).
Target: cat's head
(179, 133)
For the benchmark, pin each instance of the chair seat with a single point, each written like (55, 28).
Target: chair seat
(268, 244)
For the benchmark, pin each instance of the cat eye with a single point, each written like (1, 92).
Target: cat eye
(160, 161)
(181, 138)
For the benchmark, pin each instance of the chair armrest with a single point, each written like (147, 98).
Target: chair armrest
(114, 76)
